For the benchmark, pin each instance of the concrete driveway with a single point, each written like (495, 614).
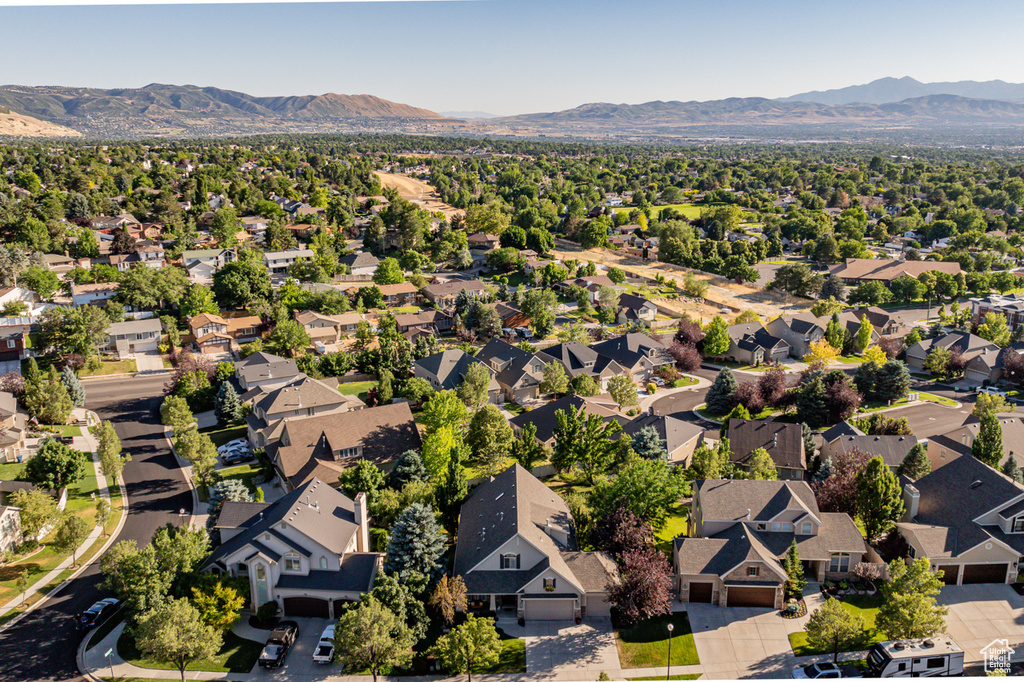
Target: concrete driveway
(149, 361)
(979, 614)
(562, 648)
(300, 659)
(742, 642)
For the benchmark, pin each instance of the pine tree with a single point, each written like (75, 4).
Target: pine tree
(879, 498)
(1012, 470)
(988, 446)
(835, 334)
(722, 395)
(408, 469)
(75, 389)
(228, 406)
(915, 464)
(416, 543)
(451, 493)
(795, 580)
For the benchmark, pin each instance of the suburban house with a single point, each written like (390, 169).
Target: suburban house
(93, 294)
(12, 429)
(546, 420)
(741, 531)
(1010, 305)
(968, 345)
(133, 336)
(850, 322)
(12, 346)
(799, 331)
(578, 359)
(328, 328)
(857, 270)
(679, 437)
(884, 322)
(401, 294)
(483, 242)
(517, 551)
(892, 449)
(360, 263)
(987, 368)
(638, 354)
(264, 369)
(443, 294)
(517, 371)
(308, 551)
(967, 519)
(632, 308)
(10, 528)
(280, 261)
(201, 264)
(255, 224)
(325, 445)
(447, 370)
(783, 442)
(959, 441)
(752, 344)
(300, 397)
(432, 321)
(223, 333)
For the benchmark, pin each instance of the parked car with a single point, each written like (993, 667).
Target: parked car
(993, 390)
(324, 652)
(233, 445)
(97, 613)
(278, 643)
(235, 456)
(524, 332)
(817, 671)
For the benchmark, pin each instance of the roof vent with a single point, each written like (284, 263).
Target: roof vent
(899, 646)
(975, 483)
(927, 644)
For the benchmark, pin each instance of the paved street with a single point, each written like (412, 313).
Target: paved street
(42, 646)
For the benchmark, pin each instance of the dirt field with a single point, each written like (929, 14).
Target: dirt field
(20, 125)
(722, 292)
(417, 192)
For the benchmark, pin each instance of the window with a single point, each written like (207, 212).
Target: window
(762, 526)
(348, 452)
(937, 662)
(911, 552)
(549, 584)
(242, 569)
(1018, 524)
(753, 571)
(509, 561)
(292, 563)
(787, 527)
(10, 344)
(840, 563)
(776, 527)
(805, 529)
(323, 563)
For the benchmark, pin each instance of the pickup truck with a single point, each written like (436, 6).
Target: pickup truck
(324, 652)
(280, 641)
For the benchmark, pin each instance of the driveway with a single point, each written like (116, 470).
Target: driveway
(300, 659)
(149, 361)
(576, 651)
(979, 614)
(742, 642)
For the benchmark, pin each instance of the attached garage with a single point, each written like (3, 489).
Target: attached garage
(597, 605)
(984, 573)
(700, 593)
(737, 595)
(550, 609)
(949, 574)
(306, 607)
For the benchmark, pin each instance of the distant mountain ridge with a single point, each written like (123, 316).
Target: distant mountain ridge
(887, 90)
(190, 109)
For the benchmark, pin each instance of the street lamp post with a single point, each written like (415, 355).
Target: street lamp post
(668, 671)
(181, 517)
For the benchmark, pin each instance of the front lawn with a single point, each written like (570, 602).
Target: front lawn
(236, 656)
(676, 525)
(111, 367)
(512, 658)
(646, 644)
(514, 408)
(246, 473)
(684, 381)
(875, 406)
(867, 608)
(703, 411)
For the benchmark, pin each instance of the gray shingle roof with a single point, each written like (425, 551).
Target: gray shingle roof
(546, 420)
(892, 449)
(356, 575)
(449, 366)
(784, 442)
(730, 500)
(628, 350)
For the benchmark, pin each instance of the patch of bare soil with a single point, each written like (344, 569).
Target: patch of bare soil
(418, 192)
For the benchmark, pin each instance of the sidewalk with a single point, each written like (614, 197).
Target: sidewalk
(86, 443)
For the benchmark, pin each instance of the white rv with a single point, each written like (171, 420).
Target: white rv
(936, 656)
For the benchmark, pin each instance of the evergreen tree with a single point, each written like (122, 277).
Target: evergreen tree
(795, 580)
(812, 402)
(915, 464)
(722, 395)
(416, 543)
(808, 436)
(228, 406)
(835, 333)
(738, 412)
(408, 469)
(451, 493)
(988, 446)
(892, 382)
(648, 444)
(1012, 470)
(75, 389)
(879, 498)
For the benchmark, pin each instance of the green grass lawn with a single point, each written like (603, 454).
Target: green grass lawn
(867, 608)
(684, 381)
(11, 471)
(925, 397)
(514, 408)
(245, 473)
(111, 367)
(691, 211)
(512, 658)
(646, 644)
(763, 414)
(220, 435)
(406, 309)
(68, 429)
(236, 656)
(357, 388)
(676, 525)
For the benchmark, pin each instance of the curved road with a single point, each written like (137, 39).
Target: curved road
(42, 646)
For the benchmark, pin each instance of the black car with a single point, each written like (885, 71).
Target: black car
(278, 643)
(97, 613)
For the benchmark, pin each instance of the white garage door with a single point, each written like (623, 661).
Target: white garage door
(597, 605)
(549, 609)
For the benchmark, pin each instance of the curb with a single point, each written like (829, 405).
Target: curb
(127, 374)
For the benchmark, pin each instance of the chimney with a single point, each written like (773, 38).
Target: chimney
(748, 515)
(911, 499)
(362, 520)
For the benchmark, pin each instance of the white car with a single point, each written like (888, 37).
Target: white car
(992, 389)
(233, 445)
(817, 671)
(324, 652)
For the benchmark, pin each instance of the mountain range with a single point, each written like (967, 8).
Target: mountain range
(886, 90)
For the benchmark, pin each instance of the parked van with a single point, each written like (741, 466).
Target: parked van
(933, 657)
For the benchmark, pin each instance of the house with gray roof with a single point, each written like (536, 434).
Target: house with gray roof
(752, 344)
(783, 442)
(518, 372)
(679, 437)
(447, 370)
(578, 359)
(799, 331)
(264, 369)
(892, 449)
(742, 530)
(545, 417)
(308, 551)
(133, 336)
(967, 519)
(632, 308)
(517, 551)
(302, 397)
(638, 354)
(967, 345)
(360, 263)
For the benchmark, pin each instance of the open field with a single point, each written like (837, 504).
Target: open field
(418, 192)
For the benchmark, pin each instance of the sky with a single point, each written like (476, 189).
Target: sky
(512, 56)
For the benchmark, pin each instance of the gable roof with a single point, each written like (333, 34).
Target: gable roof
(784, 442)
(628, 350)
(731, 500)
(674, 432)
(843, 428)
(308, 393)
(892, 449)
(259, 366)
(578, 359)
(359, 260)
(450, 368)
(888, 270)
(632, 302)
(545, 419)
(453, 287)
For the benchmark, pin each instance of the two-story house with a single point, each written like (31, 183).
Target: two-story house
(638, 354)
(133, 336)
(280, 261)
(783, 442)
(443, 294)
(966, 518)
(447, 370)
(632, 308)
(518, 372)
(223, 333)
(301, 397)
(309, 551)
(93, 294)
(401, 294)
(10, 528)
(742, 530)
(578, 359)
(752, 344)
(326, 445)
(798, 331)
(429, 321)
(12, 429)
(328, 329)
(517, 551)
(201, 264)
(264, 369)
(968, 345)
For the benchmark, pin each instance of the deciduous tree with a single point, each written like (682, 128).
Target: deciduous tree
(175, 633)
(833, 628)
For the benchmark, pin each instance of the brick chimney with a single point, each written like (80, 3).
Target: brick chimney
(363, 521)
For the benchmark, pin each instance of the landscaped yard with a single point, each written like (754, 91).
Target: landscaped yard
(924, 397)
(646, 644)
(236, 656)
(675, 526)
(406, 309)
(357, 388)
(111, 367)
(512, 658)
(867, 607)
(691, 211)
(68, 429)
(684, 381)
(763, 414)
(245, 473)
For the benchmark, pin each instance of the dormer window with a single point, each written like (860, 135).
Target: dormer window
(776, 527)
(292, 563)
(1018, 524)
(805, 528)
(509, 561)
(549, 584)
